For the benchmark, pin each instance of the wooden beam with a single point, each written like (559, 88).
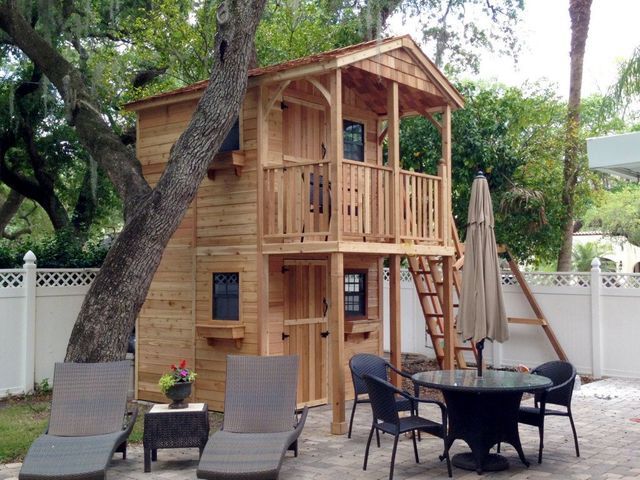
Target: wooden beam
(393, 128)
(433, 120)
(555, 343)
(336, 343)
(321, 88)
(446, 175)
(270, 101)
(383, 134)
(262, 260)
(395, 319)
(447, 311)
(335, 152)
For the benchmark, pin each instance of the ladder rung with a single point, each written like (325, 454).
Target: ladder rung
(422, 272)
(434, 315)
(436, 335)
(470, 349)
(428, 294)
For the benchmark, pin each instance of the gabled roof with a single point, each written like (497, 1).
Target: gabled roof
(322, 62)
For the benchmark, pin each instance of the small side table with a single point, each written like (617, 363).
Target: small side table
(165, 428)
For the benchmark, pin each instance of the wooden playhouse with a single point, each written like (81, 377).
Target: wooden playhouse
(282, 250)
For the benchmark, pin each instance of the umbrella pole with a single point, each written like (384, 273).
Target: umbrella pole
(480, 347)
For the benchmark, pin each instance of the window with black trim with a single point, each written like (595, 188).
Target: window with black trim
(353, 140)
(355, 294)
(226, 296)
(232, 140)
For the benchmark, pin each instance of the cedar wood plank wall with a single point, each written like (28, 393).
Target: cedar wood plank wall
(219, 233)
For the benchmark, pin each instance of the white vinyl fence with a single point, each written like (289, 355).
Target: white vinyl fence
(38, 308)
(596, 317)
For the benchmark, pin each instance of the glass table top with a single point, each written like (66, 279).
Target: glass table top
(491, 380)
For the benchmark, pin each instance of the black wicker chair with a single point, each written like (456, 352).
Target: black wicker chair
(85, 425)
(563, 376)
(362, 364)
(384, 405)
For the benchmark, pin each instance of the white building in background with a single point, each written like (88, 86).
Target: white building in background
(625, 255)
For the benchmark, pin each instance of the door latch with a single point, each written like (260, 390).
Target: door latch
(325, 307)
(285, 336)
(324, 334)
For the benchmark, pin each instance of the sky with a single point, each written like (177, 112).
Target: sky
(545, 35)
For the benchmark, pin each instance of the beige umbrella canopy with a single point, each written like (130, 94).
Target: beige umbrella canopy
(481, 314)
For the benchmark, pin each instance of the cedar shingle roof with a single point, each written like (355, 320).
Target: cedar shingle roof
(279, 67)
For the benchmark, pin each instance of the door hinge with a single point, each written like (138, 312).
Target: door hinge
(285, 336)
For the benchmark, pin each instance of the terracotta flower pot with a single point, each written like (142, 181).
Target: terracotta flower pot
(178, 393)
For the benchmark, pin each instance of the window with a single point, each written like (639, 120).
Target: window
(353, 140)
(226, 294)
(232, 140)
(355, 294)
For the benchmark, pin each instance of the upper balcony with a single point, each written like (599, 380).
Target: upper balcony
(299, 198)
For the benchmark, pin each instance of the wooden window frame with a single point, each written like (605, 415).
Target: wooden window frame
(224, 321)
(363, 315)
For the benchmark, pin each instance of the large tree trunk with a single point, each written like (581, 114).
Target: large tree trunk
(580, 13)
(8, 210)
(152, 215)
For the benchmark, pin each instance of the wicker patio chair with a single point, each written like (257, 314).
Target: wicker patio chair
(563, 376)
(386, 419)
(85, 425)
(260, 422)
(362, 364)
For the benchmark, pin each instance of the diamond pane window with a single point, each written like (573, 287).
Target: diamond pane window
(353, 140)
(226, 296)
(355, 294)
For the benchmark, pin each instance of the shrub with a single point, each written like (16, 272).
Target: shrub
(59, 250)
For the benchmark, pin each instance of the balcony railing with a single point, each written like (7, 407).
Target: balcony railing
(298, 199)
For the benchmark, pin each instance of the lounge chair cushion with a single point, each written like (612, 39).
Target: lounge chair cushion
(230, 456)
(70, 458)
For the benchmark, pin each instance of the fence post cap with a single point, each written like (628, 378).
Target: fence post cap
(595, 264)
(30, 258)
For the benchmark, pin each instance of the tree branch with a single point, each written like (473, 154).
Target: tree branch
(98, 138)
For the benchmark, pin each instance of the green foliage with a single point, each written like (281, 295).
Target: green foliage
(617, 212)
(584, 253)
(20, 424)
(58, 250)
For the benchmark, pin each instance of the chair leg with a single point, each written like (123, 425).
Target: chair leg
(575, 435)
(541, 431)
(366, 450)
(415, 445)
(393, 455)
(353, 412)
(498, 450)
(378, 437)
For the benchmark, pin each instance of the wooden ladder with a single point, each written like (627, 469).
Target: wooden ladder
(426, 271)
(427, 275)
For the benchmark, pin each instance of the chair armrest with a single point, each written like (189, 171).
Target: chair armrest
(402, 373)
(132, 421)
(300, 425)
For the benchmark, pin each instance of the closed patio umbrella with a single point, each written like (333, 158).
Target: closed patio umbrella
(481, 314)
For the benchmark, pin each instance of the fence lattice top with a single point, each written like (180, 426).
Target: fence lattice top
(11, 279)
(65, 278)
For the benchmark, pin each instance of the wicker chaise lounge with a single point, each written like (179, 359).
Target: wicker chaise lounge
(259, 420)
(86, 423)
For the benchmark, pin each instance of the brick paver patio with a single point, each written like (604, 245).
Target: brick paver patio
(609, 447)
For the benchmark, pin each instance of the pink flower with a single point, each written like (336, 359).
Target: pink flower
(184, 373)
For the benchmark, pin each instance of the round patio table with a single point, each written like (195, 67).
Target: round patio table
(482, 411)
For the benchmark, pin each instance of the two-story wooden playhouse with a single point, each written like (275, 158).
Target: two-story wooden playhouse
(282, 250)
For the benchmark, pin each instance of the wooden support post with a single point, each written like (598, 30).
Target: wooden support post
(447, 311)
(446, 175)
(393, 133)
(262, 260)
(335, 153)
(395, 320)
(336, 343)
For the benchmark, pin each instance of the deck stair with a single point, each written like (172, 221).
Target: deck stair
(427, 276)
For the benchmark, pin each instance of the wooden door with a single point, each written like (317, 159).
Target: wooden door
(303, 133)
(305, 327)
